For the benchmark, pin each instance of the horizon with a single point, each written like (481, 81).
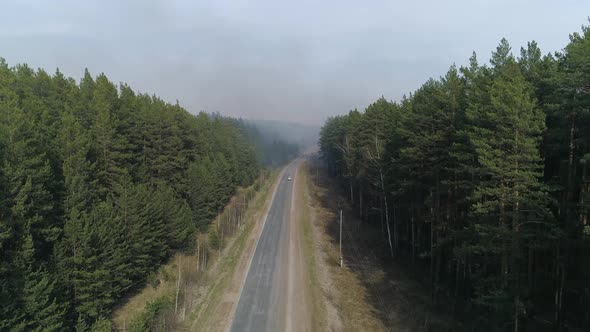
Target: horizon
(256, 60)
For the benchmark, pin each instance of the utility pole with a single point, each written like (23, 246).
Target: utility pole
(341, 260)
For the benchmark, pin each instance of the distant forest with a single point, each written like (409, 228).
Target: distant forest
(303, 135)
(481, 179)
(98, 185)
(273, 147)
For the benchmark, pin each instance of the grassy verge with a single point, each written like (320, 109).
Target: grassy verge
(317, 299)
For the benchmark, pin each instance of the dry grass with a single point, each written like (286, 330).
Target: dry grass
(371, 292)
(344, 291)
(319, 314)
(135, 304)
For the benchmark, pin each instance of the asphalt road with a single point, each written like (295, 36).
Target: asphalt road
(262, 304)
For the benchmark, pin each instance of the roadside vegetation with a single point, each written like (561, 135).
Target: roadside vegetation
(184, 292)
(480, 181)
(318, 305)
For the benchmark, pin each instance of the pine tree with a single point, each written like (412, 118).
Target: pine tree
(76, 168)
(108, 146)
(176, 216)
(28, 176)
(202, 184)
(510, 197)
(83, 111)
(163, 145)
(92, 294)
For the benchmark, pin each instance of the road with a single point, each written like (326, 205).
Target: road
(270, 299)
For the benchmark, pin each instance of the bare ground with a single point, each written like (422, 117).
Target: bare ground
(299, 301)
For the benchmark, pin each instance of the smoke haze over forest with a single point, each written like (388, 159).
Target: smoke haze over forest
(300, 62)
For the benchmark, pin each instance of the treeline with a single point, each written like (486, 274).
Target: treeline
(98, 185)
(481, 177)
(271, 150)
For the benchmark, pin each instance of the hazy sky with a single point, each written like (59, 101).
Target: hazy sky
(290, 60)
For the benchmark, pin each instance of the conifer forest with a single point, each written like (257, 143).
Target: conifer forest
(248, 192)
(480, 179)
(99, 185)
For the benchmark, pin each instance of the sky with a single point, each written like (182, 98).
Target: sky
(299, 61)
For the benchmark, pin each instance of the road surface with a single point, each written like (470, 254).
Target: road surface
(270, 298)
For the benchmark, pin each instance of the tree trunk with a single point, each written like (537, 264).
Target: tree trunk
(531, 260)
(395, 235)
(177, 286)
(516, 305)
(583, 198)
(386, 213)
(361, 202)
(570, 170)
(558, 289)
(457, 277)
(504, 267)
(413, 236)
(382, 218)
(432, 259)
(198, 257)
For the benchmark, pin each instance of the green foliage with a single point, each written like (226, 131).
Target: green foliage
(153, 280)
(145, 321)
(486, 180)
(43, 311)
(101, 325)
(98, 185)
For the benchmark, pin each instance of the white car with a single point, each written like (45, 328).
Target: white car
(289, 178)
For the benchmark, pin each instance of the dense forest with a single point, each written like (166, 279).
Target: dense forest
(481, 180)
(98, 185)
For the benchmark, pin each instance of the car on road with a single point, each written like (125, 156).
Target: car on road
(289, 178)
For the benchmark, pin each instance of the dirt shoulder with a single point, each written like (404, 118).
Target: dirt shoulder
(300, 301)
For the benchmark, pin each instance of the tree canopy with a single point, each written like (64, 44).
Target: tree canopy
(482, 177)
(98, 185)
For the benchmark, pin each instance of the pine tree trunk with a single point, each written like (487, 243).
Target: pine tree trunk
(361, 202)
(436, 234)
(413, 236)
(516, 305)
(382, 218)
(198, 256)
(457, 276)
(570, 171)
(583, 193)
(386, 213)
(531, 260)
(504, 269)
(432, 259)
(177, 286)
(557, 294)
(395, 235)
